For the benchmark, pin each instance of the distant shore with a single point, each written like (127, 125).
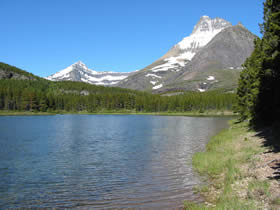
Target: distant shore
(24, 113)
(210, 113)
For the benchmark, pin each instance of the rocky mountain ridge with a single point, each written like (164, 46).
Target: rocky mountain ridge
(80, 72)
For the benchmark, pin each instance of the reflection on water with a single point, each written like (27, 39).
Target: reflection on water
(100, 161)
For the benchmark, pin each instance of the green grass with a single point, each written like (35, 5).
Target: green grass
(222, 162)
(213, 161)
(193, 206)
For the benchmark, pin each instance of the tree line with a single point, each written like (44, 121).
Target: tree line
(47, 96)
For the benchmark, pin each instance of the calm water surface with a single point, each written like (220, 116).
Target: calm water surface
(100, 161)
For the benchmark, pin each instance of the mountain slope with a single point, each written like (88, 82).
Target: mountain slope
(178, 56)
(220, 59)
(216, 50)
(80, 72)
(227, 49)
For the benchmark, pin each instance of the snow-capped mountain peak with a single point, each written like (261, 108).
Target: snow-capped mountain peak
(80, 72)
(80, 63)
(207, 24)
(161, 72)
(203, 32)
(183, 52)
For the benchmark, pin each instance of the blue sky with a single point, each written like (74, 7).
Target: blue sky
(45, 36)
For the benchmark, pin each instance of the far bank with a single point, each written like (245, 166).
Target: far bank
(210, 113)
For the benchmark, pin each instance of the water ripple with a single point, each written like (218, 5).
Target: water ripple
(80, 161)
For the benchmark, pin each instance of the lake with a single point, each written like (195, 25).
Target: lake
(101, 161)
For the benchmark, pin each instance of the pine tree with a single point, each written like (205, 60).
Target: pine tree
(259, 84)
(249, 82)
(268, 101)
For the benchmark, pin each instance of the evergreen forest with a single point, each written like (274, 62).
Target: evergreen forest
(40, 95)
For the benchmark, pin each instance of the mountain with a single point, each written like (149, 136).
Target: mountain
(220, 59)
(207, 59)
(185, 50)
(80, 72)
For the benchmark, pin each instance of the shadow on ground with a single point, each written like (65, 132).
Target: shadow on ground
(271, 136)
(276, 174)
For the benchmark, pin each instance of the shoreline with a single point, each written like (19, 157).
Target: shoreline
(211, 113)
(241, 170)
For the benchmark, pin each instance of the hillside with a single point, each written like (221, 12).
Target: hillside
(12, 72)
(214, 49)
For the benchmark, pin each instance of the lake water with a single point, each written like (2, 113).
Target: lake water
(100, 161)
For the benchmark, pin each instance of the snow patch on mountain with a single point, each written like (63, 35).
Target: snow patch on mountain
(157, 87)
(201, 90)
(152, 75)
(171, 63)
(153, 82)
(210, 78)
